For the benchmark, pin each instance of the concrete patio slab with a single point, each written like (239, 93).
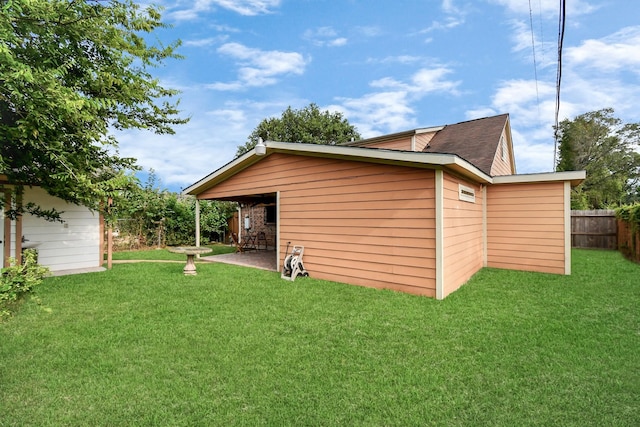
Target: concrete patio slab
(265, 260)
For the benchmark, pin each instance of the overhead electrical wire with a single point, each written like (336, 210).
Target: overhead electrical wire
(535, 65)
(561, 24)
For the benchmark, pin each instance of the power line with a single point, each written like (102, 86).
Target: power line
(561, 24)
(535, 65)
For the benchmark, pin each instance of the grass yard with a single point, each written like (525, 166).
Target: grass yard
(164, 255)
(144, 345)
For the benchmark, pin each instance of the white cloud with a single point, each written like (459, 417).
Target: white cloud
(368, 31)
(248, 7)
(616, 52)
(259, 67)
(340, 41)
(376, 112)
(209, 41)
(545, 51)
(400, 59)
(447, 23)
(242, 7)
(429, 80)
(391, 108)
(324, 36)
(455, 16)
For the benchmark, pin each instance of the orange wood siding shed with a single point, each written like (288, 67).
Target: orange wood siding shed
(525, 227)
(462, 234)
(360, 223)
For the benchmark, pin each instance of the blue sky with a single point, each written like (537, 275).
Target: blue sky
(388, 66)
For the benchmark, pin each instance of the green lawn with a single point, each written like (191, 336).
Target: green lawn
(144, 345)
(165, 255)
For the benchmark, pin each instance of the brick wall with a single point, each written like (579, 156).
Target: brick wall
(257, 218)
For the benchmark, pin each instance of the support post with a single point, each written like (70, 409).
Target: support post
(18, 254)
(7, 228)
(109, 236)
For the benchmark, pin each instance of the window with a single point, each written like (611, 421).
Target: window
(270, 214)
(466, 194)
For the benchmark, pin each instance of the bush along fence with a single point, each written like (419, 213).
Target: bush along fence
(629, 231)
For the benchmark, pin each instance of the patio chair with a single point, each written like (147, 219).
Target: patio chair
(248, 243)
(236, 242)
(262, 240)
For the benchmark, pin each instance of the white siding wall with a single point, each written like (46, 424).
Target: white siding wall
(72, 245)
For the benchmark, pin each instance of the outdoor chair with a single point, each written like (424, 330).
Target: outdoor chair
(248, 243)
(262, 240)
(236, 242)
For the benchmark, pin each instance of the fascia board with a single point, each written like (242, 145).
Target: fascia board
(575, 177)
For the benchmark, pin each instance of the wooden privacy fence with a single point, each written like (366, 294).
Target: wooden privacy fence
(594, 229)
(628, 240)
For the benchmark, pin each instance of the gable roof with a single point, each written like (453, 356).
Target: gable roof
(476, 141)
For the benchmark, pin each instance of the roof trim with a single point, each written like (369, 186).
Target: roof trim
(575, 177)
(375, 155)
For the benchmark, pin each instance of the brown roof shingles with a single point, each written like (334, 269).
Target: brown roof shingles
(476, 141)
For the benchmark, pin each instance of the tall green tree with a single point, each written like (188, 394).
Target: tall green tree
(607, 150)
(309, 124)
(71, 70)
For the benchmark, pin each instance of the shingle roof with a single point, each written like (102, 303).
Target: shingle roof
(476, 141)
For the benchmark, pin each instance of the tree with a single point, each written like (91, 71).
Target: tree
(151, 216)
(605, 148)
(71, 70)
(309, 125)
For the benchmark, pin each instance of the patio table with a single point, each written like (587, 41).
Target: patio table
(191, 252)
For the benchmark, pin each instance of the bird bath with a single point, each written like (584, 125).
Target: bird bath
(191, 252)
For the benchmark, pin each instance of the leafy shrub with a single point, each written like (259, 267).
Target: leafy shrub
(19, 279)
(629, 235)
(631, 214)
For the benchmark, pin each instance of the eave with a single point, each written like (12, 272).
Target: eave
(574, 177)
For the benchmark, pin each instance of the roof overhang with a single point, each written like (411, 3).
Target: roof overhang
(575, 177)
(361, 154)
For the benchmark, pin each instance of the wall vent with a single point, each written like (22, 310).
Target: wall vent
(466, 194)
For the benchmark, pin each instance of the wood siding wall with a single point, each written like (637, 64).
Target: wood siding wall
(360, 223)
(423, 139)
(463, 241)
(500, 166)
(403, 144)
(525, 227)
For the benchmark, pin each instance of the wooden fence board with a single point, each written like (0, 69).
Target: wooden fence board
(594, 229)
